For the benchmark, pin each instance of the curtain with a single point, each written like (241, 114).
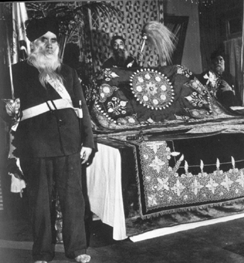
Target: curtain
(233, 49)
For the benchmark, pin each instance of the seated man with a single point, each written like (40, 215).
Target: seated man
(120, 56)
(219, 82)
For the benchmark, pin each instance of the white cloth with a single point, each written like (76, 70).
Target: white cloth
(46, 106)
(17, 185)
(105, 189)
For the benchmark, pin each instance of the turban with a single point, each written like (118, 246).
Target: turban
(217, 53)
(114, 38)
(36, 28)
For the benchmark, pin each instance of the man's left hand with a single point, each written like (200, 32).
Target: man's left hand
(85, 154)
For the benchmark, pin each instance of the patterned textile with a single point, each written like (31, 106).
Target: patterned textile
(175, 176)
(142, 97)
(132, 17)
(152, 89)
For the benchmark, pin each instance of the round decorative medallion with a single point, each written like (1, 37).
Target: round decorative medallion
(152, 89)
(105, 91)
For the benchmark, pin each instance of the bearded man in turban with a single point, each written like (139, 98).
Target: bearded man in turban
(120, 56)
(53, 138)
(219, 82)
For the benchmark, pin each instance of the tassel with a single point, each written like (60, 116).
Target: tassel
(201, 166)
(233, 162)
(186, 167)
(217, 164)
(161, 38)
(182, 157)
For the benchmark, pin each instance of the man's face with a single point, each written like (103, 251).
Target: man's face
(47, 43)
(218, 64)
(119, 48)
(45, 52)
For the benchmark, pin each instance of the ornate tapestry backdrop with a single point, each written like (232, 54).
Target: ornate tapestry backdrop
(132, 17)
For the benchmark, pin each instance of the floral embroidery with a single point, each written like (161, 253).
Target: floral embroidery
(117, 106)
(212, 185)
(198, 114)
(109, 74)
(128, 120)
(162, 187)
(197, 86)
(196, 100)
(196, 186)
(211, 79)
(152, 89)
(214, 82)
(163, 183)
(182, 70)
(227, 183)
(105, 91)
(156, 164)
(178, 188)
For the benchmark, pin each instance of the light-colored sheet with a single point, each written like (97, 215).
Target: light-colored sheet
(105, 189)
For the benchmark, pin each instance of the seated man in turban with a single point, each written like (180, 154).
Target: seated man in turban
(219, 83)
(52, 140)
(120, 57)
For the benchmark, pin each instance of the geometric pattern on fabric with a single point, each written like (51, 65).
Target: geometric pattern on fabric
(129, 23)
(167, 185)
(152, 89)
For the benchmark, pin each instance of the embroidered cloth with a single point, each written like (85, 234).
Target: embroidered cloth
(147, 97)
(176, 175)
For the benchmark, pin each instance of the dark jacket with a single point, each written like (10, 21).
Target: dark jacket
(226, 97)
(54, 133)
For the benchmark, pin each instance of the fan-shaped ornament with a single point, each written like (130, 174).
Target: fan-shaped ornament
(152, 89)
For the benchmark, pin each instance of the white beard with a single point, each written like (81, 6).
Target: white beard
(46, 64)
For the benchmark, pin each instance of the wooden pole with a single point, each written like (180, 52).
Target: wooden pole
(9, 61)
(242, 58)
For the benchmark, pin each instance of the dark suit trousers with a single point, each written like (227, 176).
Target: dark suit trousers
(43, 177)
